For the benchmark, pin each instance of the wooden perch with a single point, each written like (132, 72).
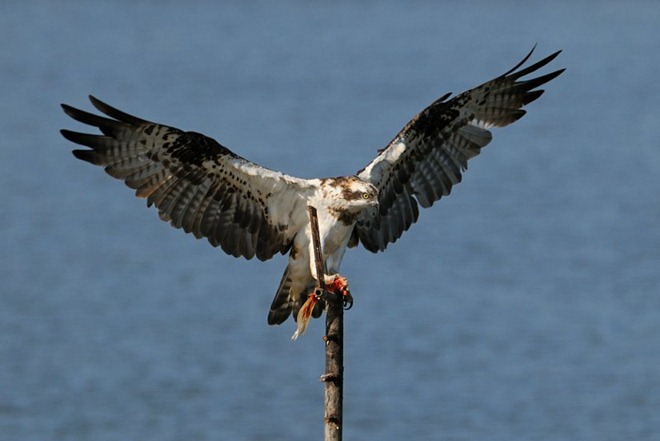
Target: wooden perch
(334, 341)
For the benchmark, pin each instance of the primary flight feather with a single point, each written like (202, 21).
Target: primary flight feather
(248, 210)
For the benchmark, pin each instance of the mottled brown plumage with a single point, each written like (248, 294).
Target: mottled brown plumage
(205, 189)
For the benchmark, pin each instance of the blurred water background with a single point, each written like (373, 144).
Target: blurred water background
(524, 306)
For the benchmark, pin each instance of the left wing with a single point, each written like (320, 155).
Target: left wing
(424, 161)
(196, 183)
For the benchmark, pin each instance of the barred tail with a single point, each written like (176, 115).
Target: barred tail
(282, 305)
(288, 301)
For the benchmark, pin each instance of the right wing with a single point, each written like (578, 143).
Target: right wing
(428, 156)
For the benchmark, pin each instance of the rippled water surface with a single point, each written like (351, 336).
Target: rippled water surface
(524, 306)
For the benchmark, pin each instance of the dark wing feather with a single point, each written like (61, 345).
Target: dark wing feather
(196, 183)
(427, 158)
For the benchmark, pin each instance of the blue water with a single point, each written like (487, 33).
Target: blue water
(524, 306)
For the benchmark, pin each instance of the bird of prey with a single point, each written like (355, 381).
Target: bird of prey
(248, 210)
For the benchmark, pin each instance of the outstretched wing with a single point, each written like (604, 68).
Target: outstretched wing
(427, 157)
(196, 183)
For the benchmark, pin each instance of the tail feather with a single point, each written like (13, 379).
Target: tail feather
(288, 302)
(281, 307)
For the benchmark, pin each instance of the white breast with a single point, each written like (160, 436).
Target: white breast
(334, 237)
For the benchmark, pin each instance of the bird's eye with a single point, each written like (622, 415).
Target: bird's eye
(366, 195)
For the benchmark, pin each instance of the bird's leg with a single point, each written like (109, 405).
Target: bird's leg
(339, 285)
(334, 283)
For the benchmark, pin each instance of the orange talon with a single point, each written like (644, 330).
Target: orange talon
(304, 314)
(339, 285)
(336, 284)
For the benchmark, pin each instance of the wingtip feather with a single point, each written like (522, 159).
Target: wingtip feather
(114, 112)
(85, 155)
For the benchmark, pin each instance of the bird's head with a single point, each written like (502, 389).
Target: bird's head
(351, 192)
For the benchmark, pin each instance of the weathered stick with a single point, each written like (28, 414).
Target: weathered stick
(318, 252)
(334, 342)
(334, 367)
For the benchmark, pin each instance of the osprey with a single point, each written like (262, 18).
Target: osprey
(248, 210)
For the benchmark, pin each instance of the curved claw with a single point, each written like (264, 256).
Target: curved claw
(339, 285)
(347, 301)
